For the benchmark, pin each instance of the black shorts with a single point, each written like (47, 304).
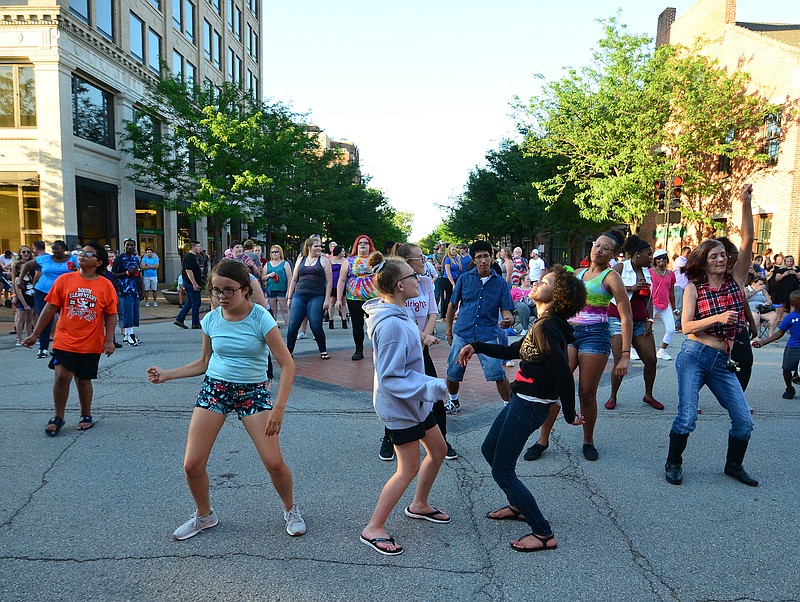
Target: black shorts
(82, 365)
(412, 433)
(791, 356)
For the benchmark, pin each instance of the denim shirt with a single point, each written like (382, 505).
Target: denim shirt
(480, 305)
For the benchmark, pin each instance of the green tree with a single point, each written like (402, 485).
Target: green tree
(635, 116)
(429, 242)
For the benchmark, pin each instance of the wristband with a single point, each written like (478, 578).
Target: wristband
(650, 320)
(628, 352)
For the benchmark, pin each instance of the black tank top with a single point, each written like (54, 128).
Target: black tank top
(310, 279)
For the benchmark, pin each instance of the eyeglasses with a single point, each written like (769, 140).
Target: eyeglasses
(417, 258)
(274, 251)
(363, 242)
(415, 276)
(25, 252)
(224, 292)
(88, 254)
(483, 257)
(605, 248)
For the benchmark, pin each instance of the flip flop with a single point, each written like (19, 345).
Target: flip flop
(59, 422)
(427, 516)
(542, 539)
(373, 543)
(324, 355)
(85, 423)
(517, 515)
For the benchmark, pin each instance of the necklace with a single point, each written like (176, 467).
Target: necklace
(660, 273)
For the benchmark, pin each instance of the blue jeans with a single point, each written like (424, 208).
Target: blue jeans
(502, 447)
(39, 302)
(193, 303)
(306, 307)
(492, 368)
(130, 311)
(699, 365)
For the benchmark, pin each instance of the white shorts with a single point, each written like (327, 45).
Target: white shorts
(150, 284)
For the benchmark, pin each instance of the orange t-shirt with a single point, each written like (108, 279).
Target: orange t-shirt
(83, 305)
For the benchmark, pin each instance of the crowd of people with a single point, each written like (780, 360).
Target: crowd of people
(716, 295)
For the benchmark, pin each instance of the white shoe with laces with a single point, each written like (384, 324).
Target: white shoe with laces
(194, 525)
(302, 335)
(295, 525)
(663, 355)
(634, 355)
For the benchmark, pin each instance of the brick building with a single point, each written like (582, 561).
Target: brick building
(770, 53)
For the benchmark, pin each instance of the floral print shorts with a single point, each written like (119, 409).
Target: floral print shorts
(224, 397)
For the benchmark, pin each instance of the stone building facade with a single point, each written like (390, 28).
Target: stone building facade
(71, 72)
(770, 53)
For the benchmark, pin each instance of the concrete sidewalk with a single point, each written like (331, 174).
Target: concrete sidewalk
(88, 516)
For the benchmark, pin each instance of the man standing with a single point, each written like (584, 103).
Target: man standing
(536, 266)
(438, 263)
(681, 282)
(192, 277)
(150, 265)
(127, 270)
(482, 294)
(466, 258)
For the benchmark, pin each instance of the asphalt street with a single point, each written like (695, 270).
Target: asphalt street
(88, 516)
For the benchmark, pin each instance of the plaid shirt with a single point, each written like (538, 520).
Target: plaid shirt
(714, 301)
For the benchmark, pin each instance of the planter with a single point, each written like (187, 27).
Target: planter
(171, 296)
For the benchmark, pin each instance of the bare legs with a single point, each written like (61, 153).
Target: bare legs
(61, 383)
(646, 348)
(408, 467)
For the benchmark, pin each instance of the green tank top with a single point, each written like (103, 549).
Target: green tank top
(597, 299)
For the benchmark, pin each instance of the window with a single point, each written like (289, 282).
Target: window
(137, 37)
(191, 72)
(208, 32)
(17, 96)
(188, 21)
(238, 75)
(104, 13)
(724, 165)
(763, 232)
(216, 49)
(177, 14)
(772, 135)
(231, 57)
(154, 51)
(720, 226)
(253, 6)
(230, 14)
(97, 205)
(92, 113)
(156, 4)
(237, 24)
(177, 64)
(217, 4)
(252, 85)
(148, 124)
(80, 8)
(20, 215)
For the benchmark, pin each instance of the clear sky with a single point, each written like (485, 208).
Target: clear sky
(424, 87)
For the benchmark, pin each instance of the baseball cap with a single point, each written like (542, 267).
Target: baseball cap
(660, 253)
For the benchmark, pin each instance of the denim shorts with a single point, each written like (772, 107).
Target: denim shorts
(615, 325)
(224, 397)
(492, 368)
(275, 294)
(592, 338)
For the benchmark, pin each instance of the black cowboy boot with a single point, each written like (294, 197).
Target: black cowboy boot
(733, 466)
(673, 471)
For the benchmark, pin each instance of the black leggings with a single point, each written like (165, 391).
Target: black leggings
(438, 407)
(447, 292)
(356, 309)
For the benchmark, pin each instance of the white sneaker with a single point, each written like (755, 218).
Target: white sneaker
(295, 525)
(634, 355)
(147, 303)
(155, 303)
(195, 524)
(302, 335)
(663, 355)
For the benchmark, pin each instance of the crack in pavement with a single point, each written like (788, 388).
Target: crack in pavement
(41, 485)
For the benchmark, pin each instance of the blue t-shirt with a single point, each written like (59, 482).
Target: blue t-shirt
(239, 349)
(455, 267)
(51, 270)
(146, 261)
(791, 324)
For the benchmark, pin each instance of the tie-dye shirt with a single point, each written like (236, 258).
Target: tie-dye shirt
(597, 299)
(360, 279)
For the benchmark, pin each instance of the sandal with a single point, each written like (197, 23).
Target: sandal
(515, 514)
(85, 423)
(373, 543)
(543, 539)
(59, 422)
(324, 355)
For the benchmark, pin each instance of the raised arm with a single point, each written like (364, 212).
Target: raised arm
(745, 259)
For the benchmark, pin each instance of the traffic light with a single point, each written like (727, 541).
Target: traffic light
(660, 193)
(677, 184)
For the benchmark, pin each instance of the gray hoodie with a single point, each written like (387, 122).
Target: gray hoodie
(403, 396)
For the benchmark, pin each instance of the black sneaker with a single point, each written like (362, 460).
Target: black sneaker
(387, 449)
(796, 379)
(117, 345)
(451, 453)
(358, 355)
(196, 327)
(535, 451)
(180, 325)
(133, 341)
(789, 393)
(590, 452)
(42, 353)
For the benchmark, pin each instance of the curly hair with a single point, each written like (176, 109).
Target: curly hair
(569, 293)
